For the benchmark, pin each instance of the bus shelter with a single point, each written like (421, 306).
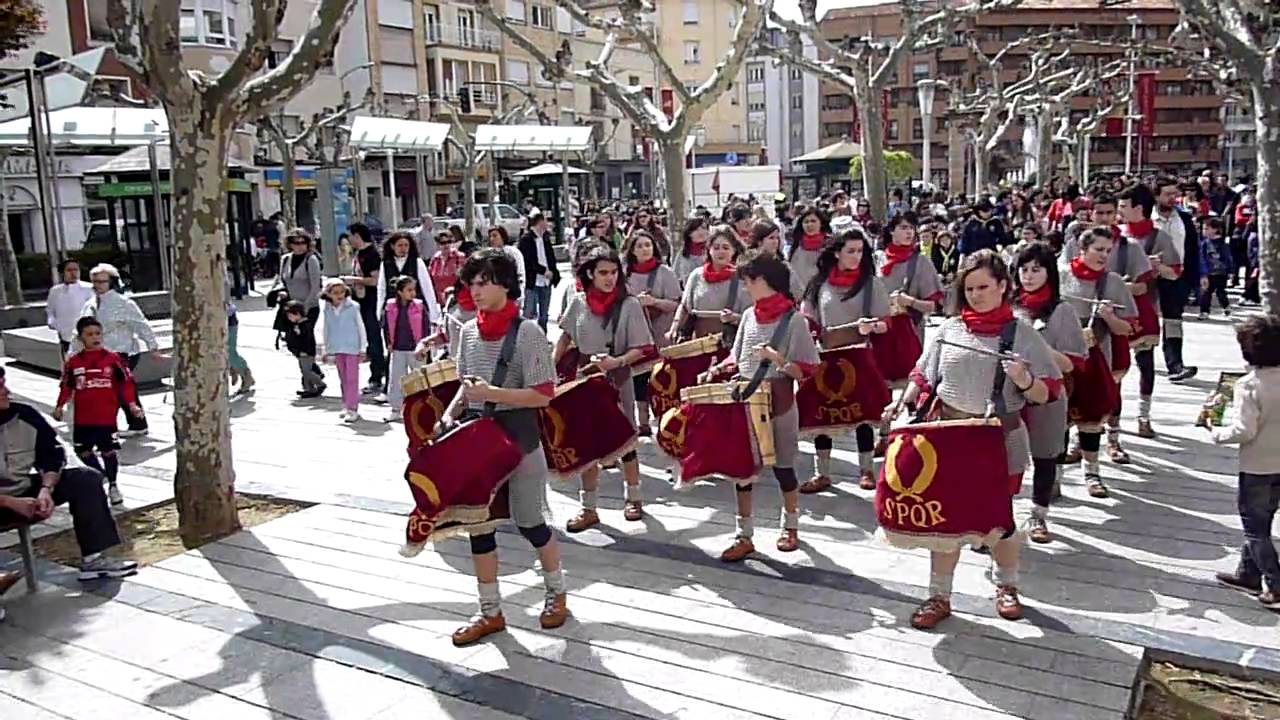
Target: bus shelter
(545, 140)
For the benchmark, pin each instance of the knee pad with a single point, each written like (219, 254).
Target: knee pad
(786, 479)
(484, 544)
(866, 437)
(743, 488)
(538, 535)
(640, 383)
(629, 457)
(1090, 442)
(823, 442)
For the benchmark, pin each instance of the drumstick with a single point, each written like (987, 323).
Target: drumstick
(707, 313)
(1093, 301)
(978, 350)
(855, 325)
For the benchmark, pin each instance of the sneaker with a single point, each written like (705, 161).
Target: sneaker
(106, 567)
(1184, 374)
(394, 416)
(311, 394)
(1204, 316)
(351, 417)
(1038, 530)
(1253, 586)
(371, 389)
(1145, 430)
(1270, 599)
(113, 495)
(380, 398)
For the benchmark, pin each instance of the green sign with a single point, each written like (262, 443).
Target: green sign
(143, 189)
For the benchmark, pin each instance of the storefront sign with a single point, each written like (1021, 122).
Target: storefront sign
(303, 178)
(143, 189)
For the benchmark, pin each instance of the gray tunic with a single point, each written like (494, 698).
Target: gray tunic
(1047, 424)
(872, 301)
(1116, 291)
(804, 265)
(798, 346)
(923, 284)
(590, 336)
(530, 366)
(1127, 258)
(684, 266)
(665, 287)
(455, 318)
(964, 380)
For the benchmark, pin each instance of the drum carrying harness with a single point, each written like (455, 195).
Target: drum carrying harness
(775, 340)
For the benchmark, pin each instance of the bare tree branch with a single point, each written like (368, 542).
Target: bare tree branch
(268, 91)
(147, 42)
(267, 16)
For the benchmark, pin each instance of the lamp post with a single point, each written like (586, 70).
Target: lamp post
(1134, 22)
(925, 91)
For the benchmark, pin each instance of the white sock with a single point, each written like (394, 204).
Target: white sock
(588, 498)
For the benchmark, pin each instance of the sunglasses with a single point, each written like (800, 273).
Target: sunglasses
(297, 241)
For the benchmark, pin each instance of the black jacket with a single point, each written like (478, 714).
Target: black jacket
(529, 249)
(1190, 250)
(31, 446)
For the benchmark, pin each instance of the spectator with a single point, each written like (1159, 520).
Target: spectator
(425, 237)
(299, 280)
(125, 331)
(66, 300)
(541, 273)
(983, 232)
(444, 265)
(897, 205)
(300, 338)
(1215, 266)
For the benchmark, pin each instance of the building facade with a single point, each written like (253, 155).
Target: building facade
(789, 106)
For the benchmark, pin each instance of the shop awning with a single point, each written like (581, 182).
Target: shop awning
(66, 85)
(93, 126)
(533, 138)
(378, 133)
(138, 160)
(843, 150)
(549, 169)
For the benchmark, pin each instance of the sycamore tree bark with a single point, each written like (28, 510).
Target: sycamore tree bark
(288, 168)
(10, 277)
(671, 152)
(204, 112)
(1266, 99)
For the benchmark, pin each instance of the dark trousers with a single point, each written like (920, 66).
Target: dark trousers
(1257, 497)
(1217, 286)
(537, 304)
(377, 355)
(134, 423)
(1173, 300)
(81, 490)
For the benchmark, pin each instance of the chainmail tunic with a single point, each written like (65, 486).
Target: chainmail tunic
(1047, 424)
(588, 332)
(923, 285)
(665, 287)
(1116, 291)
(804, 265)
(702, 295)
(797, 345)
(834, 310)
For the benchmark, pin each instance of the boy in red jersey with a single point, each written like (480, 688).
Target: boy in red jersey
(96, 379)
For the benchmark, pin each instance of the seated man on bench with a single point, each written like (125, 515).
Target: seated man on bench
(34, 479)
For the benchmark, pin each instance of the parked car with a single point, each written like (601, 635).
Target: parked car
(508, 217)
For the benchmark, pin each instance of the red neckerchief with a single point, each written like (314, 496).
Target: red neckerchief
(1035, 302)
(990, 323)
(465, 301)
(894, 254)
(713, 276)
(697, 248)
(1140, 229)
(600, 302)
(577, 285)
(844, 278)
(771, 308)
(1084, 272)
(1116, 232)
(812, 243)
(494, 325)
(644, 267)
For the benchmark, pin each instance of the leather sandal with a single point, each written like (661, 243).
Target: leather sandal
(583, 520)
(1145, 430)
(478, 628)
(633, 510)
(740, 550)
(1118, 454)
(1096, 488)
(789, 541)
(8, 580)
(1040, 531)
(817, 484)
(866, 481)
(1008, 606)
(555, 612)
(933, 611)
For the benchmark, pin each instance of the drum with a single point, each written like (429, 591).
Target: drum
(846, 390)
(945, 484)
(1147, 332)
(458, 483)
(569, 364)
(1121, 354)
(1093, 393)
(713, 435)
(428, 391)
(897, 350)
(679, 368)
(584, 425)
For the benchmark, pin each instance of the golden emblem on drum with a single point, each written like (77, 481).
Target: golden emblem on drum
(420, 429)
(928, 469)
(554, 421)
(848, 381)
(664, 379)
(428, 488)
(669, 439)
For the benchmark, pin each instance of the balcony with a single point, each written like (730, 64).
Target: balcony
(461, 37)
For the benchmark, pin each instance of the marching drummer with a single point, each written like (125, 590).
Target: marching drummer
(1106, 308)
(959, 372)
(773, 343)
(848, 300)
(808, 238)
(654, 284)
(713, 295)
(608, 327)
(1039, 302)
(528, 384)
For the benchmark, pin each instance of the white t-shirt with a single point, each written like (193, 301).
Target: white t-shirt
(1176, 229)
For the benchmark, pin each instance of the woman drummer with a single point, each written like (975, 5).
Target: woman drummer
(808, 238)
(713, 299)
(655, 285)
(845, 293)
(693, 249)
(529, 383)
(1106, 320)
(769, 284)
(1039, 302)
(608, 326)
(964, 383)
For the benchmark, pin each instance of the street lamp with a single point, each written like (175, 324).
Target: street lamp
(1134, 22)
(925, 91)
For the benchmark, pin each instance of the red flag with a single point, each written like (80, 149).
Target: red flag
(1146, 95)
(715, 181)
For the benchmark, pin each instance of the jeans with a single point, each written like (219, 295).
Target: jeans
(134, 423)
(1257, 497)
(234, 360)
(1217, 286)
(537, 303)
(81, 489)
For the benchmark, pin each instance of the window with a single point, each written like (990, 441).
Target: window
(755, 73)
(99, 27)
(518, 72)
(755, 132)
(188, 27)
(796, 73)
(917, 129)
(633, 81)
(201, 22)
(755, 106)
(540, 16)
(919, 71)
(893, 129)
(691, 87)
(690, 12)
(692, 52)
(797, 102)
(515, 11)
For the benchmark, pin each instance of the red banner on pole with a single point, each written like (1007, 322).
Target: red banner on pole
(668, 103)
(856, 129)
(1146, 95)
(886, 99)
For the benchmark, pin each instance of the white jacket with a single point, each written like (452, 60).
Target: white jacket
(124, 328)
(1255, 425)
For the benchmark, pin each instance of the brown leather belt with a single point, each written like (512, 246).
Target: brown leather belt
(1008, 421)
(703, 326)
(839, 338)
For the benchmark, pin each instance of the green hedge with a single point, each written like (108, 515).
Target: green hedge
(33, 268)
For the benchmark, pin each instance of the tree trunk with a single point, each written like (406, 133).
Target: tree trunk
(1072, 154)
(874, 182)
(204, 480)
(672, 152)
(10, 278)
(1266, 103)
(1044, 150)
(288, 187)
(469, 198)
(979, 168)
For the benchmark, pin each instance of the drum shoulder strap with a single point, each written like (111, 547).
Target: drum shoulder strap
(611, 324)
(728, 332)
(652, 280)
(780, 333)
(915, 315)
(1008, 334)
(504, 362)
(866, 297)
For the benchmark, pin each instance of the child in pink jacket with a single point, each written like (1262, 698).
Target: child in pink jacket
(406, 321)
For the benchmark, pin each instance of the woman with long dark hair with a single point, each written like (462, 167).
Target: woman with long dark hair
(693, 248)
(808, 236)
(608, 327)
(765, 237)
(843, 292)
(1039, 302)
(713, 299)
(645, 221)
(738, 217)
(654, 284)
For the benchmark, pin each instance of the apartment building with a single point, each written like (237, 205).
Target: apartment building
(1188, 125)
(788, 107)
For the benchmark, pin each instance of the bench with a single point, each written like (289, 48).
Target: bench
(27, 550)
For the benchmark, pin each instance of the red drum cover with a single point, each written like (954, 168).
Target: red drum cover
(1148, 316)
(710, 440)
(945, 484)
(584, 425)
(847, 389)
(1094, 392)
(897, 350)
(1121, 353)
(671, 375)
(459, 482)
(568, 366)
(423, 410)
